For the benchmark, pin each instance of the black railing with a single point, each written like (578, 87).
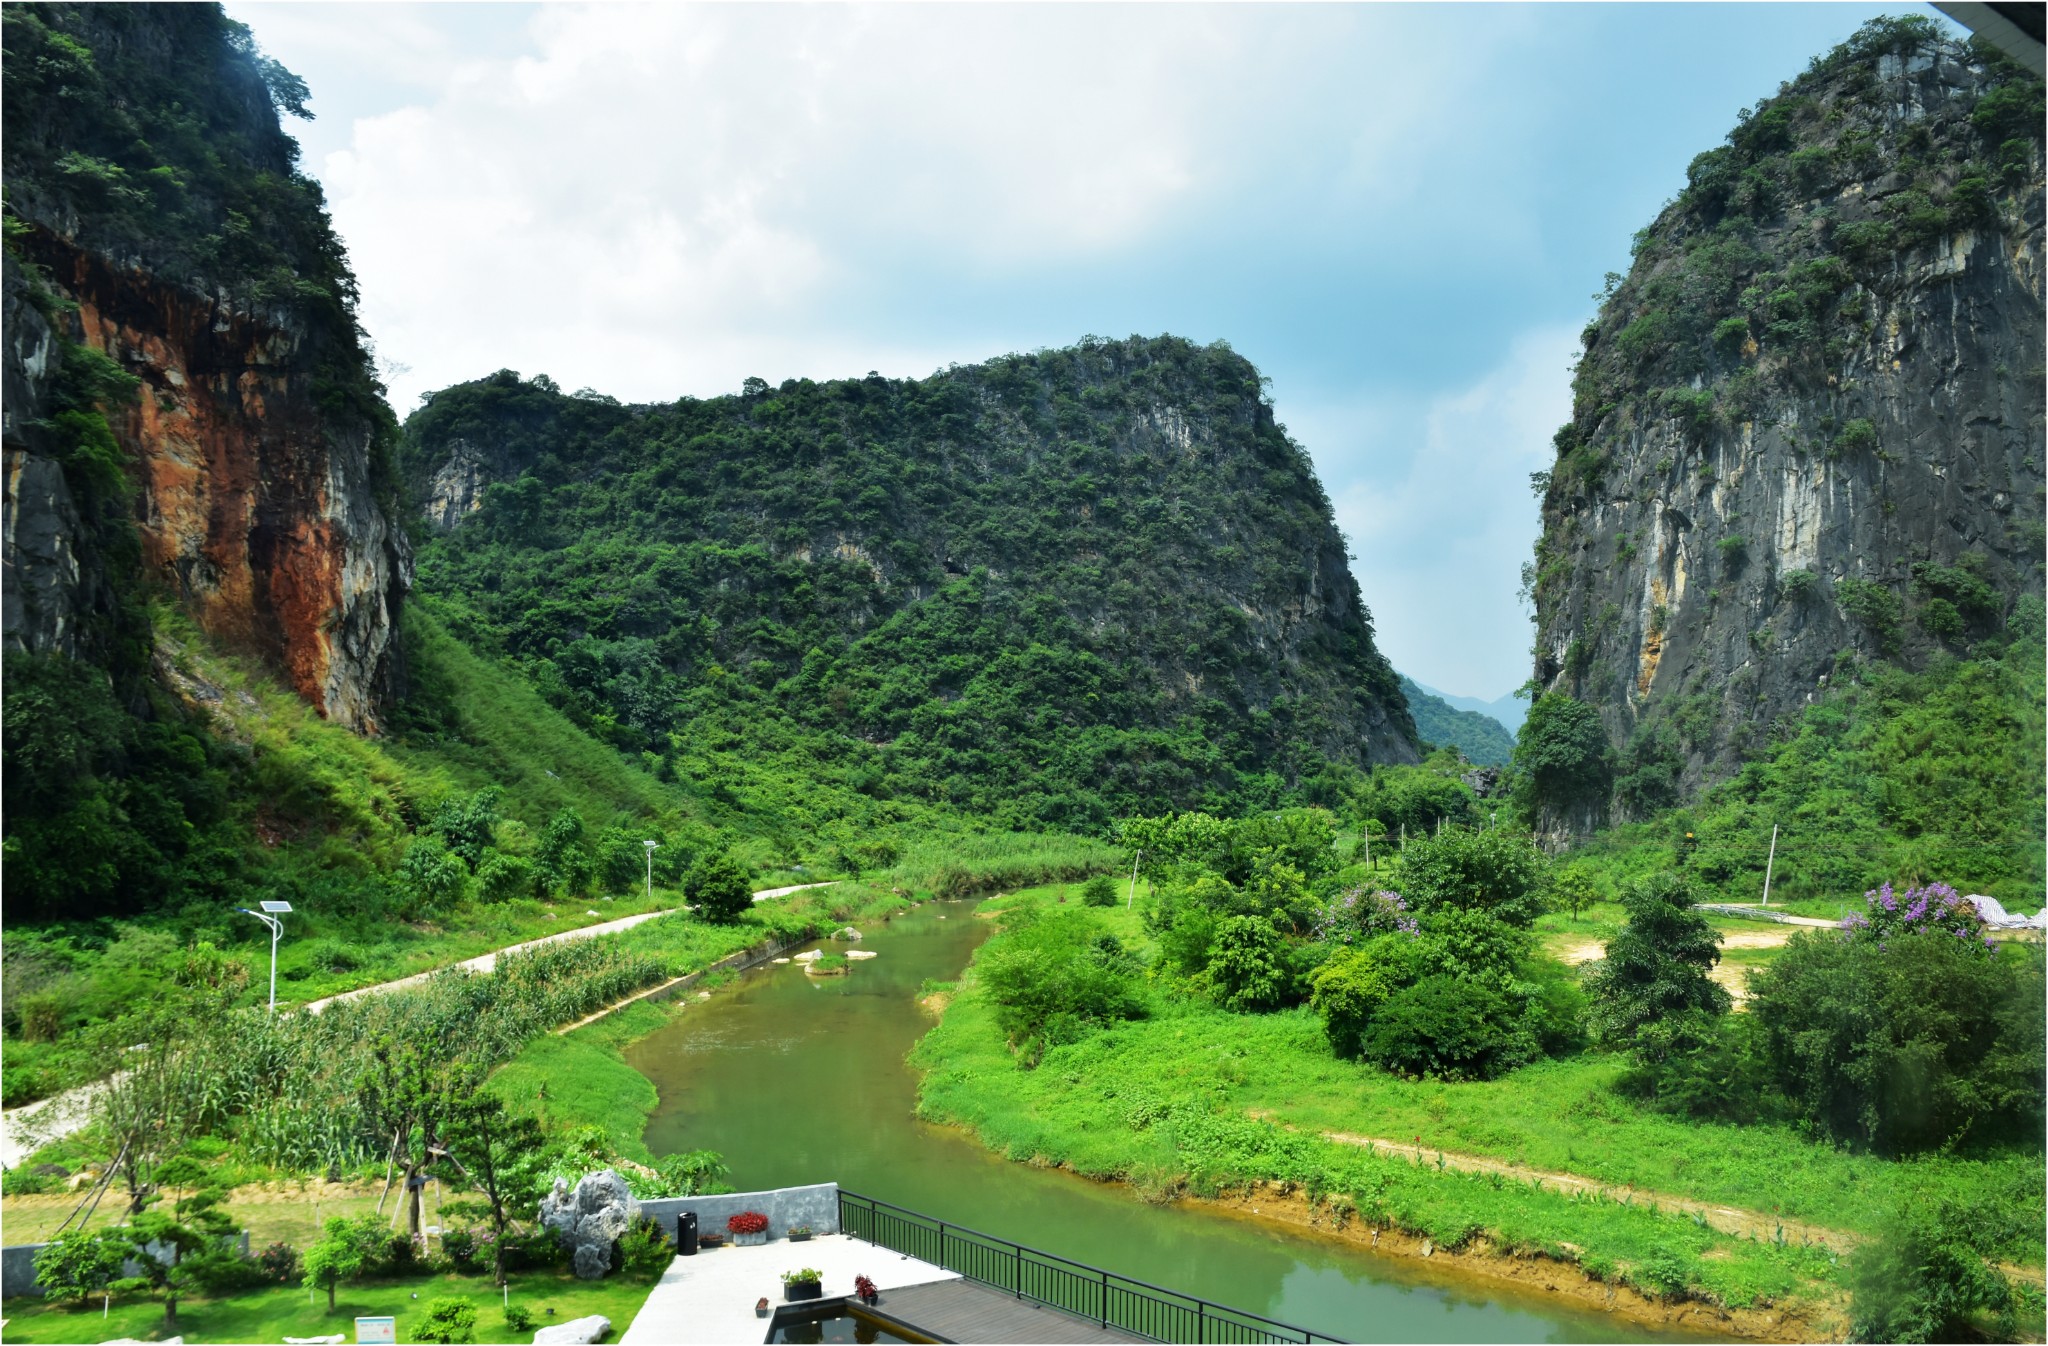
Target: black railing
(1137, 1307)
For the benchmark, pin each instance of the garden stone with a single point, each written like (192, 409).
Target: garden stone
(590, 1219)
(576, 1330)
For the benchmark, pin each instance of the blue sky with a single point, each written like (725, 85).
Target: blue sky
(1400, 213)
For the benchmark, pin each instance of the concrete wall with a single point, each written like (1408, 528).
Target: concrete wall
(816, 1206)
(18, 1264)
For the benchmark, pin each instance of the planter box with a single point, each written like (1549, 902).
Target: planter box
(799, 1238)
(801, 1290)
(749, 1240)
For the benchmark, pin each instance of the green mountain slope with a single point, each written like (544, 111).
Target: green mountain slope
(1481, 738)
(1045, 590)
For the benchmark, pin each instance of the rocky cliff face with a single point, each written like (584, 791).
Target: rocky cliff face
(1807, 429)
(248, 444)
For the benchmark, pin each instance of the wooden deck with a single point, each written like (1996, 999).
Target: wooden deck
(964, 1311)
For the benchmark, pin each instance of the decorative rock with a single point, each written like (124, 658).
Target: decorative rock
(848, 933)
(589, 1220)
(576, 1330)
(861, 953)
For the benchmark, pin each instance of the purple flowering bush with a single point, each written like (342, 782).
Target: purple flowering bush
(1933, 909)
(1357, 915)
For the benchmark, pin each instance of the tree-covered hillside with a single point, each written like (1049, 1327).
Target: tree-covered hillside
(1044, 590)
(1483, 739)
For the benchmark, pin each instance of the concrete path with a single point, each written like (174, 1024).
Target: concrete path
(710, 1298)
(25, 1129)
(489, 961)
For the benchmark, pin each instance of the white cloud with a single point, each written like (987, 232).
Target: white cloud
(1440, 534)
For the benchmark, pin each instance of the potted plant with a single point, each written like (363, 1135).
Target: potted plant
(748, 1228)
(761, 1307)
(710, 1239)
(799, 1233)
(803, 1283)
(865, 1291)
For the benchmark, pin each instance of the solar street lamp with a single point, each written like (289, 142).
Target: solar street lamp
(652, 847)
(271, 911)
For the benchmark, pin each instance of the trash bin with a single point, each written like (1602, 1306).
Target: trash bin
(686, 1233)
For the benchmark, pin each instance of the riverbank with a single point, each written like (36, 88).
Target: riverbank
(1694, 1221)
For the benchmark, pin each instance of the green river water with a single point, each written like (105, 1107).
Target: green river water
(801, 1080)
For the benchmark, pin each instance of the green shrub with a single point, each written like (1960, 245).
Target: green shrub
(1351, 986)
(1907, 1042)
(1447, 1027)
(1050, 981)
(1562, 758)
(1856, 436)
(1874, 607)
(1247, 966)
(518, 1318)
(1798, 585)
(80, 1263)
(446, 1320)
(719, 888)
(1496, 870)
(1924, 1280)
(1099, 891)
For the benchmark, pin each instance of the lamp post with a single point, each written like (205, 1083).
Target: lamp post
(1134, 881)
(652, 847)
(271, 911)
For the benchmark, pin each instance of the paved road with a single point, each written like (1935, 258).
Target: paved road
(25, 1129)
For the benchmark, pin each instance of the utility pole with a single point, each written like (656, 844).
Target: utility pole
(1768, 863)
(1128, 901)
(652, 847)
(1365, 835)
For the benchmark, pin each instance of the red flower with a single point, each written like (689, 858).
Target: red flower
(747, 1222)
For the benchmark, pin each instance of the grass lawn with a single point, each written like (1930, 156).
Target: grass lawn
(1198, 1095)
(288, 1310)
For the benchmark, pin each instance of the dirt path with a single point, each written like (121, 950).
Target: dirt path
(1730, 975)
(25, 1129)
(1726, 1219)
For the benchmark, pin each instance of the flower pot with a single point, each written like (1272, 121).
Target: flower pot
(799, 1238)
(761, 1307)
(801, 1290)
(749, 1240)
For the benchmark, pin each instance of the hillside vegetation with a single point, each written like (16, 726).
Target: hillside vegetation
(1041, 590)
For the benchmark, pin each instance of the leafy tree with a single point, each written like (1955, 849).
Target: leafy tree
(79, 1263)
(195, 1224)
(560, 856)
(405, 1092)
(719, 887)
(1658, 965)
(345, 1249)
(431, 877)
(1572, 888)
(468, 825)
(1497, 871)
(1906, 1043)
(485, 1144)
(1247, 966)
(1561, 757)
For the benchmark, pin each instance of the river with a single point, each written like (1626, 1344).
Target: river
(798, 1079)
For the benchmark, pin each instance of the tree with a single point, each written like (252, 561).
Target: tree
(485, 1144)
(1247, 966)
(1451, 1027)
(1924, 1279)
(345, 1249)
(1562, 759)
(1905, 1043)
(145, 1109)
(403, 1093)
(719, 887)
(1497, 871)
(195, 1224)
(1349, 989)
(78, 1263)
(1658, 965)
(1572, 888)
(431, 877)
(560, 856)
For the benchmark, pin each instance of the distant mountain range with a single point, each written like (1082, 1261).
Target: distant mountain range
(1509, 710)
(1442, 722)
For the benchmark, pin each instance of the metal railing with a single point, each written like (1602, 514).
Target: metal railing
(1137, 1307)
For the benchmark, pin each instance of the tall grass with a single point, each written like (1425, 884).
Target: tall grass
(968, 865)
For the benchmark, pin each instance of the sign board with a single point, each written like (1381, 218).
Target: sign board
(382, 1331)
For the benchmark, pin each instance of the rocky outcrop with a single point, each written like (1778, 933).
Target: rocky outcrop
(253, 443)
(590, 1218)
(1808, 427)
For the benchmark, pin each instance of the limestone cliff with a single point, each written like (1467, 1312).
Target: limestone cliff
(1807, 430)
(251, 441)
